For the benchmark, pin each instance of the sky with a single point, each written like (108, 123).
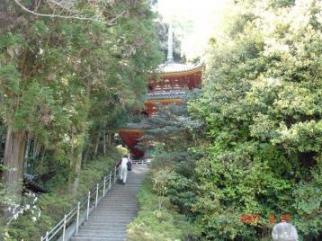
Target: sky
(194, 21)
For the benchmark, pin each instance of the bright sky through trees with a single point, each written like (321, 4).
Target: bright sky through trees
(195, 21)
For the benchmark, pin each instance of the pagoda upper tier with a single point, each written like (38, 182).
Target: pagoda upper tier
(175, 76)
(172, 76)
(171, 83)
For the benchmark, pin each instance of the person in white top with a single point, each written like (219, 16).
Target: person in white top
(284, 232)
(123, 169)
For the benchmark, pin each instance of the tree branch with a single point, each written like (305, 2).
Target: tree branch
(54, 15)
(62, 6)
(110, 23)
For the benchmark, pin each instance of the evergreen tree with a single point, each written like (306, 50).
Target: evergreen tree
(54, 72)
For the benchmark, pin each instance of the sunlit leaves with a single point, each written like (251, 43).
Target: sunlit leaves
(262, 107)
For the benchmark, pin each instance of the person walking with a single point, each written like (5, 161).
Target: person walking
(129, 163)
(123, 169)
(284, 231)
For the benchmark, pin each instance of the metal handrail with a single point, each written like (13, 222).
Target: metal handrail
(83, 208)
(141, 162)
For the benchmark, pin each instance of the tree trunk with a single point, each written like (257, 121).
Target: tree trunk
(74, 181)
(110, 138)
(85, 156)
(3, 5)
(28, 147)
(3, 15)
(96, 145)
(7, 16)
(14, 164)
(36, 149)
(76, 164)
(27, 152)
(104, 143)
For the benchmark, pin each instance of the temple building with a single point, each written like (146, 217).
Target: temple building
(169, 85)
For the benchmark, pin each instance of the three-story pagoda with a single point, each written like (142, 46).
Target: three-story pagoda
(168, 85)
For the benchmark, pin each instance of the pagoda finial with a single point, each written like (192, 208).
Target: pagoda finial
(170, 44)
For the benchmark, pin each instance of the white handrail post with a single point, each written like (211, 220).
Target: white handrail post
(64, 228)
(96, 197)
(115, 175)
(110, 181)
(112, 177)
(104, 186)
(88, 202)
(77, 218)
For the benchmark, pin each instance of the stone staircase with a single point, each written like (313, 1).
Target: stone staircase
(109, 220)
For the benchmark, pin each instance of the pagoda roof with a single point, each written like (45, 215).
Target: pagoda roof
(173, 67)
(143, 124)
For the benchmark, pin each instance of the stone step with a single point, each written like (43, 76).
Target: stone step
(109, 220)
(103, 229)
(104, 222)
(98, 239)
(101, 234)
(105, 215)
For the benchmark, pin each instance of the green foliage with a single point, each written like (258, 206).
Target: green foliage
(181, 193)
(257, 150)
(153, 223)
(282, 3)
(69, 83)
(10, 80)
(308, 204)
(51, 207)
(60, 73)
(168, 197)
(261, 105)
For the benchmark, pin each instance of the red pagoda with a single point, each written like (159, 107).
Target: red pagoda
(169, 85)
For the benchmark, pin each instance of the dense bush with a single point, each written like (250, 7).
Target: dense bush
(262, 109)
(51, 207)
(155, 221)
